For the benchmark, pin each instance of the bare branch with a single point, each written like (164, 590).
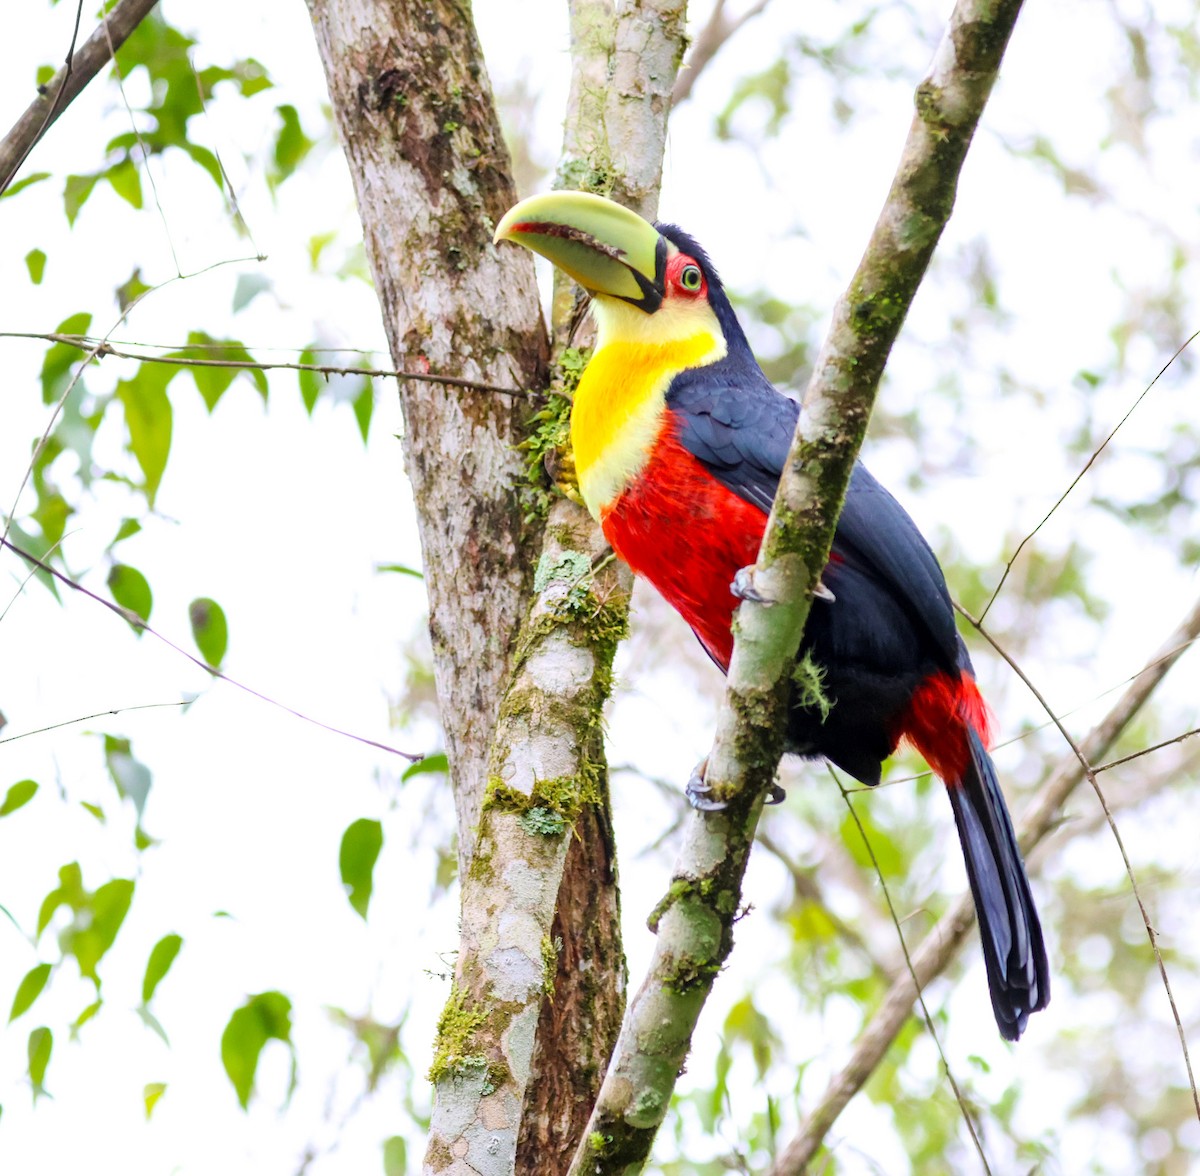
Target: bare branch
(695, 920)
(84, 343)
(942, 943)
(66, 85)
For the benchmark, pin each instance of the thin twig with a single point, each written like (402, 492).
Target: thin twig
(137, 622)
(1145, 751)
(1079, 476)
(66, 85)
(137, 134)
(227, 187)
(121, 710)
(85, 343)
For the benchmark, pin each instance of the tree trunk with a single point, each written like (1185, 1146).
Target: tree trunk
(414, 111)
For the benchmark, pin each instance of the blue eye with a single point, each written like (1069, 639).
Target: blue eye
(690, 278)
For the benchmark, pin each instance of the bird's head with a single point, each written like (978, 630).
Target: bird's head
(649, 283)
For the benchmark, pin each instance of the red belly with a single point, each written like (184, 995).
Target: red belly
(677, 526)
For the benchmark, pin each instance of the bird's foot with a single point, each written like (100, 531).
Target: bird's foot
(820, 592)
(743, 587)
(699, 791)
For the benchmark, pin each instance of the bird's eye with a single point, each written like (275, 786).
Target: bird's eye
(690, 278)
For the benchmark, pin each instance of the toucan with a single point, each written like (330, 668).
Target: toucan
(679, 439)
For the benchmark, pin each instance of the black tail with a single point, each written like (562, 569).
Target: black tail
(1009, 928)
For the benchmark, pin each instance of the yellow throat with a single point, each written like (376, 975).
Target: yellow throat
(621, 396)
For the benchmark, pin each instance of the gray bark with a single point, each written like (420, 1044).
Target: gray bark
(414, 110)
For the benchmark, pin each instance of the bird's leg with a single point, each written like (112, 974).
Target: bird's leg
(698, 791)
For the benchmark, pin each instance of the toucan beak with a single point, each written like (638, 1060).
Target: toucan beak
(606, 248)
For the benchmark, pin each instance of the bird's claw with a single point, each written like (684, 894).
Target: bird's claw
(699, 792)
(820, 592)
(743, 587)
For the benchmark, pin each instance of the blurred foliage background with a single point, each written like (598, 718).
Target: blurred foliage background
(227, 931)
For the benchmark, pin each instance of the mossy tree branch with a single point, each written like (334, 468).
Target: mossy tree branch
(695, 920)
(507, 1099)
(942, 943)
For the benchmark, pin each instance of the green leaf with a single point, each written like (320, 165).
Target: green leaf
(212, 382)
(75, 194)
(364, 406)
(431, 763)
(45, 73)
(27, 182)
(209, 629)
(317, 245)
(151, 1093)
(131, 776)
(207, 160)
(401, 569)
(249, 287)
(126, 182)
(69, 892)
(252, 77)
(96, 925)
(310, 382)
(41, 1042)
(152, 1022)
(395, 1156)
(291, 144)
(361, 844)
(21, 793)
(35, 263)
(59, 358)
(85, 1017)
(264, 1017)
(29, 990)
(131, 590)
(128, 528)
(162, 956)
(52, 511)
(131, 289)
(95, 810)
(148, 418)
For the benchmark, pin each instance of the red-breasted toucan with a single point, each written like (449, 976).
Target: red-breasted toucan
(679, 439)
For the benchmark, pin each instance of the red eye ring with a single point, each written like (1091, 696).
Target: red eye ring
(685, 278)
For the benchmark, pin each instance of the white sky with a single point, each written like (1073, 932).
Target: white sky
(283, 522)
